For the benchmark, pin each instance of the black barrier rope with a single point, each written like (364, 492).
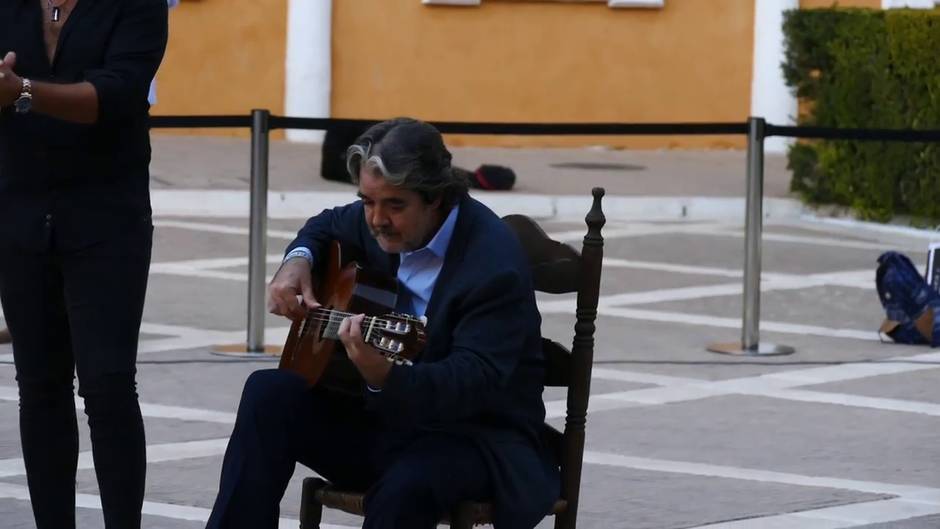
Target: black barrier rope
(199, 122)
(561, 129)
(830, 133)
(529, 129)
(455, 127)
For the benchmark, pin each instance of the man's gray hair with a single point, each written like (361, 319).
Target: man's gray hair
(409, 154)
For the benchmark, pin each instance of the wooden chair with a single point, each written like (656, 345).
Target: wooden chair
(557, 269)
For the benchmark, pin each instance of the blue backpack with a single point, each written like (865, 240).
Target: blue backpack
(907, 300)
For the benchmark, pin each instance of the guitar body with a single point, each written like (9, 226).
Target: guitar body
(345, 289)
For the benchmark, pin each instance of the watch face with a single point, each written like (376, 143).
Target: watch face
(23, 104)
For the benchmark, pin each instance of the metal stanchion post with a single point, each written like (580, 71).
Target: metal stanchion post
(258, 229)
(257, 239)
(750, 330)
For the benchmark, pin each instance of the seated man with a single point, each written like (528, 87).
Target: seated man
(463, 422)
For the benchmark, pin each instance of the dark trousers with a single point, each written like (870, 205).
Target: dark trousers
(79, 311)
(412, 480)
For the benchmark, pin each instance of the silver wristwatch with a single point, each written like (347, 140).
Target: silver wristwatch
(24, 103)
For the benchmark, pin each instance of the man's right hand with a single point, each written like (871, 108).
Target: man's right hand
(290, 293)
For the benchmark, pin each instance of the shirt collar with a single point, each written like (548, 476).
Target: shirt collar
(440, 242)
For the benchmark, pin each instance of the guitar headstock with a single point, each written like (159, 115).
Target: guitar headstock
(399, 337)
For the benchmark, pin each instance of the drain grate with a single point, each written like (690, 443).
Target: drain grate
(595, 166)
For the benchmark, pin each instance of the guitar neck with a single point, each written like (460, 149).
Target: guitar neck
(332, 319)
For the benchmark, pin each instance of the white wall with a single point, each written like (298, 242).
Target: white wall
(916, 4)
(309, 79)
(770, 96)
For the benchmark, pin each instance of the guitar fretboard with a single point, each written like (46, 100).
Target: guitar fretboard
(331, 327)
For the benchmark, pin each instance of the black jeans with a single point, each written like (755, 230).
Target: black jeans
(79, 311)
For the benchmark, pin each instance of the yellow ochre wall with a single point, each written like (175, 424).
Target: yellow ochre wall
(224, 57)
(544, 61)
(507, 60)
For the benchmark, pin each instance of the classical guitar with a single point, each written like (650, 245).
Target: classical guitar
(345, 289)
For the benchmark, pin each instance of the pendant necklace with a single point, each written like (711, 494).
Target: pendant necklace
(56, 8)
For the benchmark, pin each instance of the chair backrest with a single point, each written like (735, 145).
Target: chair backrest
(558, 269)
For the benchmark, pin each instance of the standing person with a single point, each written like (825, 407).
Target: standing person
(152, 94)
(464, 421)
(75, 238)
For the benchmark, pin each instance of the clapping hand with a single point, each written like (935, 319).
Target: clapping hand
(10, 83)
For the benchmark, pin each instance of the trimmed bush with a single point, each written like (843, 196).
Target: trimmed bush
(866, 68)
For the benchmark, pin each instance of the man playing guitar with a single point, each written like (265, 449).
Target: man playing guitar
(460, 422)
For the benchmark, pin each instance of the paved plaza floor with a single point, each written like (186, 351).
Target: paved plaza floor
(843, 433)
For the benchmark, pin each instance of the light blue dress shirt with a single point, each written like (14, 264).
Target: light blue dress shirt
(418, 270)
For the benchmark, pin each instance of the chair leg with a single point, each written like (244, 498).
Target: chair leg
(461, 517)
(311, 511)
(565, 520)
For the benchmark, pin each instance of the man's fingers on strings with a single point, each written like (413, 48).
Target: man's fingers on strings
(308, 298)
(349, 328)
(355, 322)
(310, 302)
(343, 331)
(294, 307)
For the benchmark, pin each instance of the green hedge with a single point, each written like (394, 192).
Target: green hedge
(867, 68)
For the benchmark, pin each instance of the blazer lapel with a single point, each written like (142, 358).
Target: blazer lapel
(452, 260)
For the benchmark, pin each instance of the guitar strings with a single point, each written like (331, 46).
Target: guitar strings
(364, 327)
(318, 316)
(337, 311)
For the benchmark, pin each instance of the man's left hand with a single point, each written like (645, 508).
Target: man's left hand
(371, 364)
(10, 84)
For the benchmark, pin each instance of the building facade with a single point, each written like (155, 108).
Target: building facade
(488, 60)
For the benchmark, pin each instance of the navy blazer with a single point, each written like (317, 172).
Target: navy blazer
(481, 373)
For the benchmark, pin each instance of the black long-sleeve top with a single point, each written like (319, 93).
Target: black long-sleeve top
(76, 183)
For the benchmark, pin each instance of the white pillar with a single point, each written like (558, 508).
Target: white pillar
(770, 96)
(913, 4)
(308, 68)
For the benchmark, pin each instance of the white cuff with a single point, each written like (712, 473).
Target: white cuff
(300, 251)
